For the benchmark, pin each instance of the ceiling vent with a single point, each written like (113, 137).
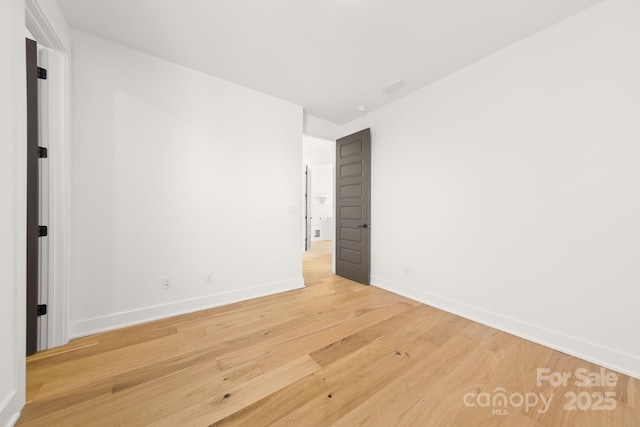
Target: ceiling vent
(395, 87)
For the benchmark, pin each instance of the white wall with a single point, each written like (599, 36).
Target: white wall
(322, 206)
(508, 192)
(13, 210)
(320, 128)
(174, 174)
(322, 180)
(318, 151)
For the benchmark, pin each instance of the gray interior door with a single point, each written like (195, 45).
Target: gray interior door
(32, 197)
(353, 206)
(307, 208)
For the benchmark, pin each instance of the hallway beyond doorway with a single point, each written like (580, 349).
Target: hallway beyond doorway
(317, 262)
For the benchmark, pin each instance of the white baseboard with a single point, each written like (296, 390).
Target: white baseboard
(147, 314)
(8, 416)
(609, 358)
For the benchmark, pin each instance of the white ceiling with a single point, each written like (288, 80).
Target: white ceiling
(327, 55)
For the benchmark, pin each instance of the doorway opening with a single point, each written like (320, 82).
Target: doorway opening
(48, 297)
(37, 337)
(319, 208)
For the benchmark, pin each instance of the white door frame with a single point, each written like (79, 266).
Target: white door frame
(56, 133)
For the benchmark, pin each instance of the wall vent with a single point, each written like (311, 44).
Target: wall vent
(394, 87)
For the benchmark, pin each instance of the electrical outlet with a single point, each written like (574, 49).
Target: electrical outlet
(208, 277)
(406, 270)
(166, 283)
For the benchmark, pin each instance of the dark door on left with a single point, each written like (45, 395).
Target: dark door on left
(32, 197)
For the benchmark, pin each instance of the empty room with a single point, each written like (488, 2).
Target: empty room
(319, 213)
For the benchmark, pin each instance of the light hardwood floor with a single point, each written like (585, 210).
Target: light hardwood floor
(334, 353)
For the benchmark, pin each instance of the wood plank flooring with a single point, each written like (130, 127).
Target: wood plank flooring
(334, 353)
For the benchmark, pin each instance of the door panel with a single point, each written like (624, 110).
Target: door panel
(351, 234)
(351, 149)
(351, 212)
(351, 169)
(32, 196)
(351, 191)
(353, 206)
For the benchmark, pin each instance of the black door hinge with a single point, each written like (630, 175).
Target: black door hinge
(42, 309)
(42, 231)
(43, 153)
(42, 73)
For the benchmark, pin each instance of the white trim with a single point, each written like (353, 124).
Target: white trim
(43, 190)
(58, 141)
(13, 420)
(58, 197)
(6, 403)
(38, 24)
(618, 361)
(133, 317)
